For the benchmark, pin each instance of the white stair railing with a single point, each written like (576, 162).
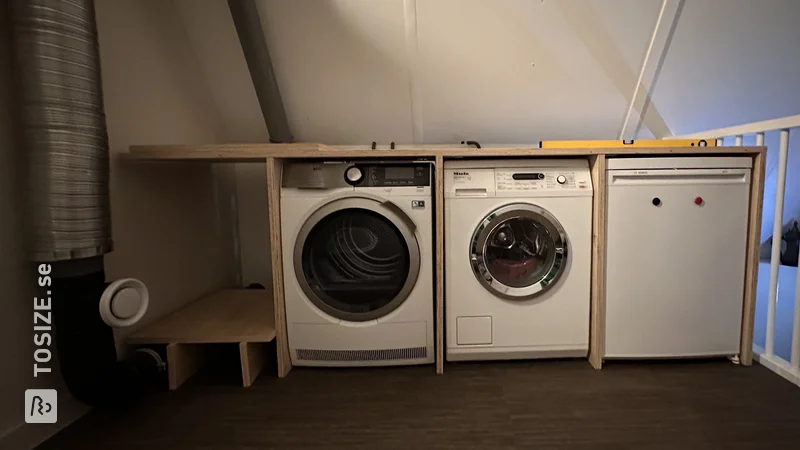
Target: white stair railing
(766, 356)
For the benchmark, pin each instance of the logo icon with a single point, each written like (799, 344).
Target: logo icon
(417, 204)
(41, 406)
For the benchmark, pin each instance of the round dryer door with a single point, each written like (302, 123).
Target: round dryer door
(518, 251)
(357, 258)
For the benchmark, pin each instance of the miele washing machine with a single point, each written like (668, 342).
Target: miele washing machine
(358, 262)
(517, 258)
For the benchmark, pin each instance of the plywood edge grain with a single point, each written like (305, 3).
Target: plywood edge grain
(224, 316)
(261, 152)
(751, 265)
(598, 291)
(253, 360)
(273, 167)
(439, 280)
(255, 151)
(184, 360)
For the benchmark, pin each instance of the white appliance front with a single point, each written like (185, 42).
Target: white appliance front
(675, 261)
(495, 307)
(329, 325)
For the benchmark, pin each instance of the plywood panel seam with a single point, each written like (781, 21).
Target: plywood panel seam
(440, 236)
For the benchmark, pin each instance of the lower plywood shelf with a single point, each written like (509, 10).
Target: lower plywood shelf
(241, 316)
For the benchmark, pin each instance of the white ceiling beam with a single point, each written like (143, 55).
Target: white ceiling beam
(412, 60)
(651, 65)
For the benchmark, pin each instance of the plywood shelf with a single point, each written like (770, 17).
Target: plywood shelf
(260, 152)
(242, 316)
(226, 316)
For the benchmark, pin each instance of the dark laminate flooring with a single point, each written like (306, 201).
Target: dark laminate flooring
(542, 404)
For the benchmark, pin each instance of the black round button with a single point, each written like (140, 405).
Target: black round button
(656, 201)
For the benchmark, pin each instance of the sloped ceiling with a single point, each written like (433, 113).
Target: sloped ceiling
(731, 62)
(505, 71)
(499, 71)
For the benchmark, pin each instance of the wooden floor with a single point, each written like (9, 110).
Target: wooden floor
(562, 404)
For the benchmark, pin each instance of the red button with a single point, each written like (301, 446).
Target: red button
(698, 201)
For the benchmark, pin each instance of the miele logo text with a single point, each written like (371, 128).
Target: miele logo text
(460, 173)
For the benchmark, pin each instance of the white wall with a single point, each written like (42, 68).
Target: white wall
(221, 63)
(731, 62)
(506, 71)
(167, 229)
(171, 223)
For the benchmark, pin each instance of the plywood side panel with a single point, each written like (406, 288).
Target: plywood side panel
(184, 360)
(274, 167)
(439, 192)
(751, 266)
(252, 357)
(598, 292)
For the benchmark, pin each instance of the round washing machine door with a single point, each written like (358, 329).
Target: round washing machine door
(519, 251)
(357, 258)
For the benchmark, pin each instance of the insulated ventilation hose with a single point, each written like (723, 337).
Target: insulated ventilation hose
(65, 144)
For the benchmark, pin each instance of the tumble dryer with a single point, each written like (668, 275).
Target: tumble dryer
(357, 262)
(518, 258)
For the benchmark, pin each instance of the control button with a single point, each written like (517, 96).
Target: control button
(561, 179)
(698, 201)
(656, 201)
(353, 175)
(541, 176)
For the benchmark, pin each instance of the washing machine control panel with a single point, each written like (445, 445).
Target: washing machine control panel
(515, 179)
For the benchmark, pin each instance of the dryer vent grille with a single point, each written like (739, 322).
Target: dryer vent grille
(362, 355)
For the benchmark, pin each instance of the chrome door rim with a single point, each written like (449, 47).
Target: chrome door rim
(393, 214)
(496, 218)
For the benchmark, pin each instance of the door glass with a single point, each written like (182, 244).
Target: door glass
(355, 260)
(519, 252)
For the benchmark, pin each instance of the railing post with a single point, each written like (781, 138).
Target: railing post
(796, 328)
(739, 140)
(795, 360)
(776, 242)
(759, 139)
(720, 142)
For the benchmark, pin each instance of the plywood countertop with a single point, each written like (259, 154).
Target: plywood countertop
(260, 152)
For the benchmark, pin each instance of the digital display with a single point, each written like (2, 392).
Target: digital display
(398, 173)
(528, 176)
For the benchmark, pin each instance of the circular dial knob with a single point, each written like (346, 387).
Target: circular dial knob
(353, 175)
(561, 179)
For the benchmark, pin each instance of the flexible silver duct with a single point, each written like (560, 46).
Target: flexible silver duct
(64, 128)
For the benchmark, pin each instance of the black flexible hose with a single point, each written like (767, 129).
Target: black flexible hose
(85, 345)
